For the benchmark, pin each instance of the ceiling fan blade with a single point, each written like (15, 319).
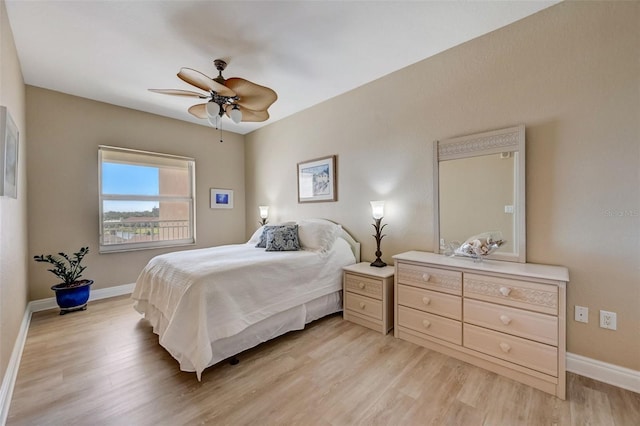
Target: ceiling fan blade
(201, 81)
(199, 111)
(252, 96)
(249, 115)
(178, 92)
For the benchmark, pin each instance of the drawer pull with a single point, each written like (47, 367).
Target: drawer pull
(505, 291)
(505, 347)
(361, 285)
(426, 300)
(425, 277)
(362, 305)
(426, 323)
(505, 319)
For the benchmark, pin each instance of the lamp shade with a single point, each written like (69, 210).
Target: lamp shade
(213, 109)
(236, 114)
(264, 211)
(377, 209)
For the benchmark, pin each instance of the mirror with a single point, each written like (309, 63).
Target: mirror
(479, 186)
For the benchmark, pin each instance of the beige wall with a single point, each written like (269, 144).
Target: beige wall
(570, 74)
(13, 212)
(65, 132)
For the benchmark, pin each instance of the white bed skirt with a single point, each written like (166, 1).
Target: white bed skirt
(292, 319)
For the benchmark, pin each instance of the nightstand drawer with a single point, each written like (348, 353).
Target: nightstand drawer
(433, 325)
(363, 305)
(517, 293)
(434, 302)
(537, 356)
(363, 285)
(430, 278)
(530, 325)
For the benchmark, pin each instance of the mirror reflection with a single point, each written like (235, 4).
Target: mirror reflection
(477, 194)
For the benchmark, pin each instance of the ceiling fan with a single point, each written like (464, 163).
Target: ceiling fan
(240, 99)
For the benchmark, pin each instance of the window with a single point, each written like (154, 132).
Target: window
(146, 199)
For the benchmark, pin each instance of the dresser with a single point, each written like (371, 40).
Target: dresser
(368, 296)
(506, 317)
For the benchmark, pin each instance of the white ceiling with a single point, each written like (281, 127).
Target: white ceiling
(307, 51)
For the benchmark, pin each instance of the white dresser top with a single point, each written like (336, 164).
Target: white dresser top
(532, 270)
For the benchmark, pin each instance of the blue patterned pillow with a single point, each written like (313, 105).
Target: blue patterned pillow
(262, 242)
(282, 238)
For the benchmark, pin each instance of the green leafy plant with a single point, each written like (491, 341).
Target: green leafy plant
(67, 268)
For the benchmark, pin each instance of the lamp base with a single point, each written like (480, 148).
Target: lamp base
(378, 263)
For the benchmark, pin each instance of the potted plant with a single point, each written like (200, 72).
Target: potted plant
(72, 294)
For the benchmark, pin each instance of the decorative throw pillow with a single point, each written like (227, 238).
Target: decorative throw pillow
(260, 236)
(283, 238)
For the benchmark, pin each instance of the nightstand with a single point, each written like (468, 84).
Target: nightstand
(368, 296)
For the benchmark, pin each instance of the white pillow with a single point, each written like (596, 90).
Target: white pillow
(256, 236)
(317, 234)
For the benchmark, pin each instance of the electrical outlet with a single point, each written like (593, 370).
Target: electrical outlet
(581, 314)
(608, 320)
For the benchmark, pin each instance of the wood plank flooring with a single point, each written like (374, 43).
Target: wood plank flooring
(104, 366)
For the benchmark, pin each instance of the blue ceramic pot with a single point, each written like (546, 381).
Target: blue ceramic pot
(72, 298)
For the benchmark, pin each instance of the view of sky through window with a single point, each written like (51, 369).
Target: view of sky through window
(127, 179)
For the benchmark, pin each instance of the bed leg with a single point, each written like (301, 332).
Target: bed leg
(233, 360)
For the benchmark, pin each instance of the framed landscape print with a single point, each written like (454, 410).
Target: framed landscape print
(8, 155)
(317, 180)
(221, 198)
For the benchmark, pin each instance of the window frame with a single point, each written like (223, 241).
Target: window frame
(191, 199)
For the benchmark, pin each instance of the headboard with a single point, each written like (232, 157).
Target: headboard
(355, 246)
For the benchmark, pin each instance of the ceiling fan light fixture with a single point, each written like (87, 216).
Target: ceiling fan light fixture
(236, 114)
(213, 109)
(240, 99)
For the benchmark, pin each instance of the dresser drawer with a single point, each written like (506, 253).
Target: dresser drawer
(537, 356)
(363, 285)
(430, 278)
(363, 305)
(520, 294)
(433, 325)
(530, 325)
(430, 301)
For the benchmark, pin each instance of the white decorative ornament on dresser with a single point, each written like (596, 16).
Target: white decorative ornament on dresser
(506, 317)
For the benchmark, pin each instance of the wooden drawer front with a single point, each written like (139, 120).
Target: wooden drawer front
(431, 278)
(363, 305)
(430, 301)
(433, 325)
(537, 356)
(363, 285)
(521, 294)
(531, 325)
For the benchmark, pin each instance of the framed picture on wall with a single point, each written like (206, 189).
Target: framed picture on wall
(8, 155)
(317, 180)
(221, 198)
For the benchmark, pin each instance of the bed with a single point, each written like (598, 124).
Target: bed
(207, 305)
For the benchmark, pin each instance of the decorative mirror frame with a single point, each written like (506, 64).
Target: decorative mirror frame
(511, 139)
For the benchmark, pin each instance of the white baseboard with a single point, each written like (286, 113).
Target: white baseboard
(101, 293)
(621, 377)
(11, 374)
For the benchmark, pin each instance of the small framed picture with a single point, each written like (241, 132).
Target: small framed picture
(221, 198)
(317, 180)
(8, 155)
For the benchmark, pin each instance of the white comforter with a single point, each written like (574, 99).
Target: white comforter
(195, 297)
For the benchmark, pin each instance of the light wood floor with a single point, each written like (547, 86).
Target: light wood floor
(104, 367)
